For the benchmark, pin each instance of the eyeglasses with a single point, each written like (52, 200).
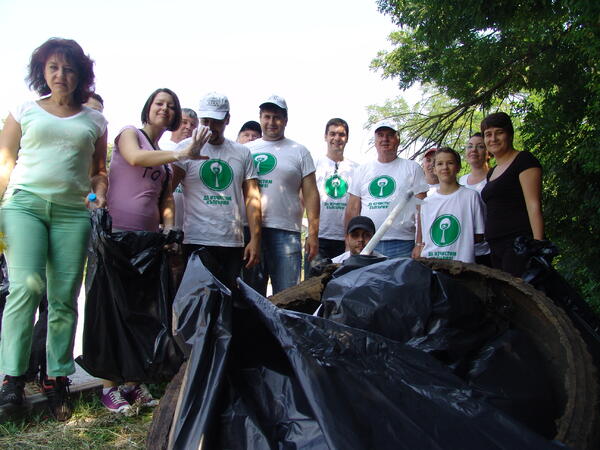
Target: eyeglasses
(478, 147)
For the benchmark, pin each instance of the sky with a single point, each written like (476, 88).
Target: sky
(315, 54)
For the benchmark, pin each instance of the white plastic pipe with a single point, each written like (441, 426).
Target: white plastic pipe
(403, 202)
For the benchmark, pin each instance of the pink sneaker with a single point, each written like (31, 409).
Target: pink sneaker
(141, 395)
(114, 401)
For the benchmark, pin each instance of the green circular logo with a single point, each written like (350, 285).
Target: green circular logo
(445, 230)
(382, 186)
(264, 163)
(336, 186)
(216, 174)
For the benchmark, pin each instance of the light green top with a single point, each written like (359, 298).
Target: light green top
(55, 155)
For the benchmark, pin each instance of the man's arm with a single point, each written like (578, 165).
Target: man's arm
(253, 212)
(353, 208)
(310, 194)
(178, 175)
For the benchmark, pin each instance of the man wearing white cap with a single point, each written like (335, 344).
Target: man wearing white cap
(285, 170)
(218, 192)
(375, 187)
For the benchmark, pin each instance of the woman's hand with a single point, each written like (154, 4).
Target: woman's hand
(98, 202)
(200, 136)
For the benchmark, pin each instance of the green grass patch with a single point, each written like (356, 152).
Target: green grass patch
(91, 427)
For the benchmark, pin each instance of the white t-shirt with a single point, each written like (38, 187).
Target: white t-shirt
(344, 256)
(433, 188)
(476, 187)
(167, 144)
(281, 165)
(378, 184)
(450, 223)
(333, 181)
(481, 248)
(55, 153)
(213, 197)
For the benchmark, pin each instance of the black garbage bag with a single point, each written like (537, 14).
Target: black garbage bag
(261, 378)
(127, 332)
(408, 302)
(3, 286)
(541, 275)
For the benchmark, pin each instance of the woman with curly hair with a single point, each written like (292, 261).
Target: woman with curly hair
(52, 153)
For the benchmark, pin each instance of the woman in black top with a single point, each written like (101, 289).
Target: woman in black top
(513, 194)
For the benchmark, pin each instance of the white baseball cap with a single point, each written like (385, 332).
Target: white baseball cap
(213, 106)
(275, 100)
(386, 124)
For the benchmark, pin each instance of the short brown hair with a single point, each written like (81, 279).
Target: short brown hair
(498, 120)
(450, 151)
(336, 121)
(73, 53)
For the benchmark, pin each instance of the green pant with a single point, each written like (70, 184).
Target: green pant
(46, 246)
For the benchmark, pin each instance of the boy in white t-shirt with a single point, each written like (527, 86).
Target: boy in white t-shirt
(451, 219)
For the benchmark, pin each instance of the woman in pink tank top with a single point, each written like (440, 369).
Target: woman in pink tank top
(140, 197)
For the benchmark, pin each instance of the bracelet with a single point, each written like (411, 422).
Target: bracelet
(420, 244)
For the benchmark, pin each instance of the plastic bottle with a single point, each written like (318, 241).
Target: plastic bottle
(91, 197)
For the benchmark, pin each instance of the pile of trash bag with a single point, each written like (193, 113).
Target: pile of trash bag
(127, 333)
(408, 360)
(541, 274)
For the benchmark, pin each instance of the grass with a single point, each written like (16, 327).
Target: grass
(91, 427)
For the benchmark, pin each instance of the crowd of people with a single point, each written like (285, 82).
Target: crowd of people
(240, 204)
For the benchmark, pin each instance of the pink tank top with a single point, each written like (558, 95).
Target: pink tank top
(134, 192)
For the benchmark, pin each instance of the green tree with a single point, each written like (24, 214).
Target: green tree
(480, 53)
(433, 121)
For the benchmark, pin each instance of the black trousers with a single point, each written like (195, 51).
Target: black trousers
(503, 256)
(225, 263)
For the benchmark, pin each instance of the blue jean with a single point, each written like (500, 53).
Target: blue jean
(280, 259)
(395, 248)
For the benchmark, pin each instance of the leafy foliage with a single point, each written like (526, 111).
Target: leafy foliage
(433, 121)
(543, 58)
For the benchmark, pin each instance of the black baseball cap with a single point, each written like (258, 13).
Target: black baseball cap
(251, 125)
(361, 222)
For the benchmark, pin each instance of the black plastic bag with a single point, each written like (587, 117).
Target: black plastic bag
(127, 330)
(541, 275)
(408, 302)
(3, 286)
(261, 378)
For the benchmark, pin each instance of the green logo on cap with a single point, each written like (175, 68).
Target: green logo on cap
(264, 163)
(445, 230)
(382, 186)
(336, 186)
(216, 174)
